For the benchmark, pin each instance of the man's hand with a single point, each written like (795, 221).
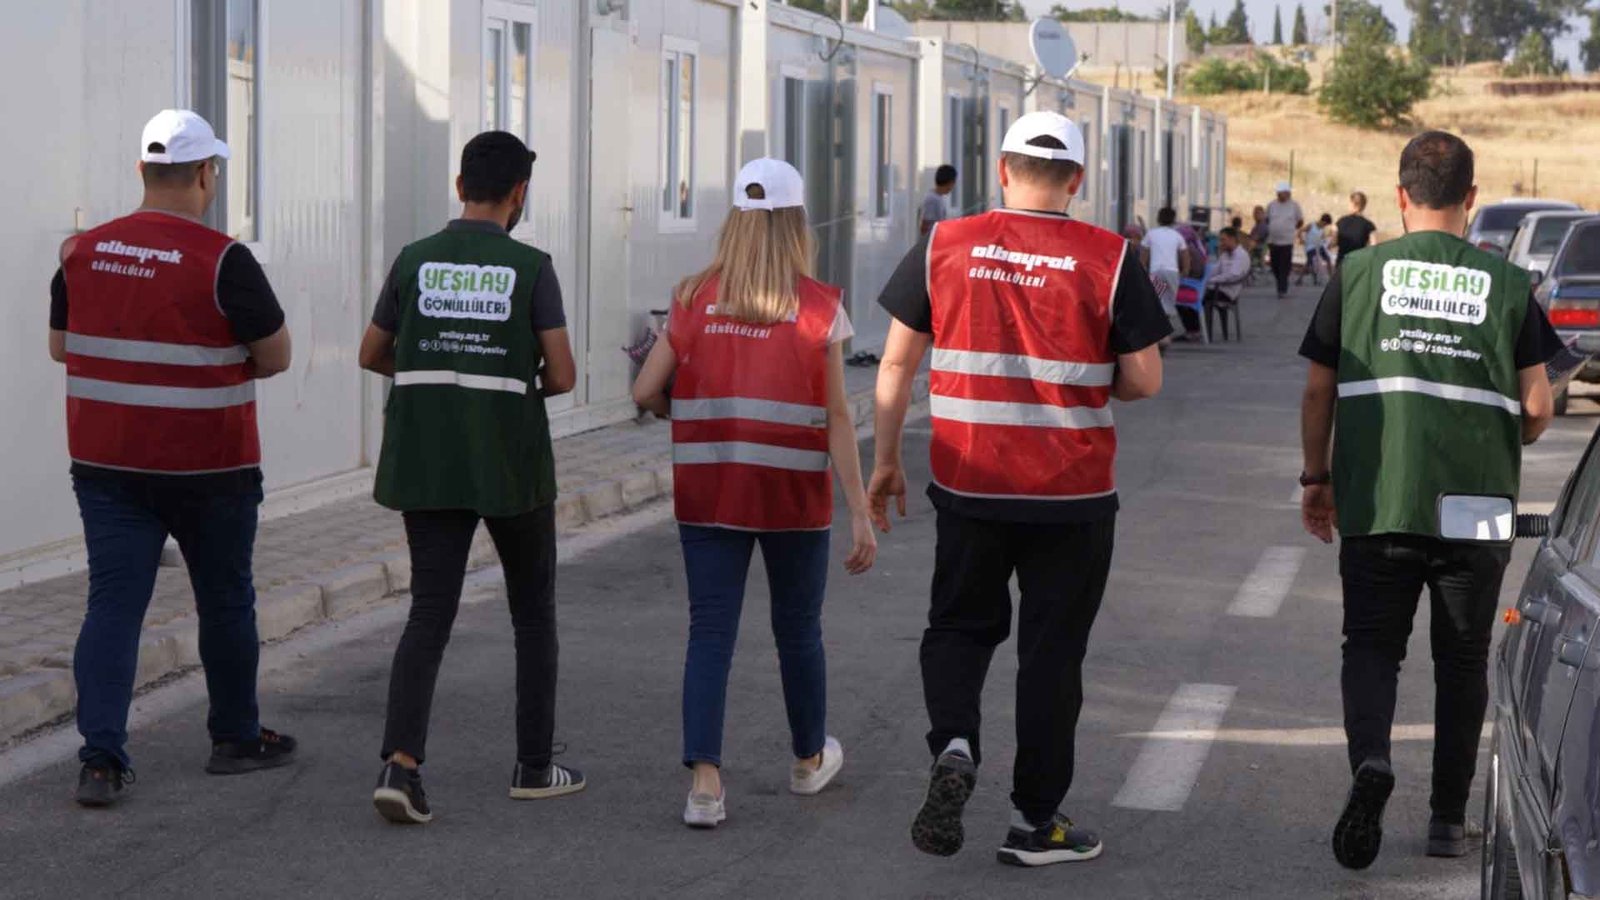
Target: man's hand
(1317, 513)
(887, 481)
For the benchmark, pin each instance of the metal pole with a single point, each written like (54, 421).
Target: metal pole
(1291, 168)
(1536, 176)
(1172, 23)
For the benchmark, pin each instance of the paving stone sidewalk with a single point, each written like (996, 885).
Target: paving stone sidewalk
(326, 563)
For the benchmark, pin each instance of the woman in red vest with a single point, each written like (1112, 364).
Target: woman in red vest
(755, 365)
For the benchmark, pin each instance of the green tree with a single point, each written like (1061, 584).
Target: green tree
(1301, 35)
(830, 8)
(978, 11)
(1237, 29)
(1221, 76)
(1193, 34)
(1497, 26)
(1096, 14)
(1361, 17)
(1534, 56)
(1371, 84)
(1435, 34)
(1589, 50)
(1277, 25)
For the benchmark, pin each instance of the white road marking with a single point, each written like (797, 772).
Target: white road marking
(1296, 495)
(1166, 770)
(1326, 736)
(1268, 583)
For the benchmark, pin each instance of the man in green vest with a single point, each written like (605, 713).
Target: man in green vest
(470, 326)
(1427, 377)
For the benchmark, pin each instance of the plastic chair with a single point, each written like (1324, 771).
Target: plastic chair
(1198, 285)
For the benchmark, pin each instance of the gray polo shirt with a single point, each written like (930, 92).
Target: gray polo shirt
(935, 208)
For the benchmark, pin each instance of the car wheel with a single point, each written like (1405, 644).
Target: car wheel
(1501, 878)
(1561, 403)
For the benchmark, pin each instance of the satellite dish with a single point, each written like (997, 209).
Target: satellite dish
(1053, 48)
(888, 23)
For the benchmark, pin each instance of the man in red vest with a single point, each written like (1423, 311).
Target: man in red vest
(164, 325)
(1036, 321)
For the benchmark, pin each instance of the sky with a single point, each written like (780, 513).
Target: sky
(1261, 16)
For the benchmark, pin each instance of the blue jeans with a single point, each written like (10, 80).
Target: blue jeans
(125, 524)
(717, 561)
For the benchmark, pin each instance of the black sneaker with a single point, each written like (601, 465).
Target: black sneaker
(538, 784)
(399, 796)
(937, 827)
(1449, 839)
(1057, 842)
(1359, 834)
(268, 751)
(103, 785)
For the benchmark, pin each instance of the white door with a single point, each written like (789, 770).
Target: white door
(605, 370)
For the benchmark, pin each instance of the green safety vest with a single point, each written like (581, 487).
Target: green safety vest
(465, 425)
(1429, 401)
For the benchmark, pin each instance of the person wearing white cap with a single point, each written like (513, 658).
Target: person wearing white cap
(164, 325)
(1036, 322)
(754, 364)
(1284, 219)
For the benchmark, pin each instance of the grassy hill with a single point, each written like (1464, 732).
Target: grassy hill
(1507, 134)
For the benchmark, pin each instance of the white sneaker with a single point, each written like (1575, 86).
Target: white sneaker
(807, 781)
(705, 811)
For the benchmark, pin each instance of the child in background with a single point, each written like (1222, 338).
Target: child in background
(1316, 243)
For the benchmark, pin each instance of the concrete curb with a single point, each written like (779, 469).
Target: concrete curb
(36, 684)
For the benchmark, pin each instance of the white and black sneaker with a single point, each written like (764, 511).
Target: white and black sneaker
(399, 796)
(1057, 841)
(552, 781)
(937, 827)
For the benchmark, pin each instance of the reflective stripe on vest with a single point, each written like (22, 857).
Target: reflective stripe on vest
(156, 380)
(1406, 384)
(1022, 364)
(461, 379)
(749, 416)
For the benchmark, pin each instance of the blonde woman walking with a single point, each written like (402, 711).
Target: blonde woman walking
(753, 360)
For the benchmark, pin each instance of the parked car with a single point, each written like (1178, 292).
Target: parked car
(1539, 236)
(1541, 820)
(1493, 224)
(1570, 294)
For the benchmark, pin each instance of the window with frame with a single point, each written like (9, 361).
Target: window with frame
(225, 88)
(794, 122)
(678, 75)
(508, 40)
(882, 154)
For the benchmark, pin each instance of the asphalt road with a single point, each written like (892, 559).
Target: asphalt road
(1211, 756)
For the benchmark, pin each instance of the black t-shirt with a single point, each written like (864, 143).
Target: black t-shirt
(1355, 231)
(1537, 342)
(253, 313)
(1137, 321)
(548, 313)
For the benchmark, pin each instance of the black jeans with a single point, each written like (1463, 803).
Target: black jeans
(1282, 265)
(440, 541)
(1383, 578)
(1061, 571)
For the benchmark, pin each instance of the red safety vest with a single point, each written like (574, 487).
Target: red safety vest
(750, 415)
(1022, 363)
(156, 381)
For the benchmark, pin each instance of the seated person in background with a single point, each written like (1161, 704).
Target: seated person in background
(1228, 277)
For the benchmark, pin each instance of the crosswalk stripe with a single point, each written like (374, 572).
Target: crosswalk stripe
(1268, 583)
(1165, 771)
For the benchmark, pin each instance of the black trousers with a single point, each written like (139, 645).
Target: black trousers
(1061, 571)
(1383, 579)
(1282, 264)
(440, 541)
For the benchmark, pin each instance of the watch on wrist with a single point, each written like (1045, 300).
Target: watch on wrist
(1313, 480)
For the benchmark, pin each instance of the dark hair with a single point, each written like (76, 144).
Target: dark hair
(1237, 222)
(1359, 199)
(171, 175)
(1050, 172)
(1325, 220)
(492, 165)
(1229, 232)
(945, 174)
(1166, 215)
(1436, 170)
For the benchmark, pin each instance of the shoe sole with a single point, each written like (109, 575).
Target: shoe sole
(96, 802)
(937, 828)
(229, 766)
(818, 781)
(1448, 848)
(394, 805)
(546, 793)
(1033, 858)
(1359, 835)
(706, 824)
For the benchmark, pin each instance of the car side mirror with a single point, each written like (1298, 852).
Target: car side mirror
(1478, 518)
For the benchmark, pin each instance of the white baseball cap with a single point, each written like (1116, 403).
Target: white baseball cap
(1044, 124)
(1283, 187)
(780, 182)
(184, 137)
